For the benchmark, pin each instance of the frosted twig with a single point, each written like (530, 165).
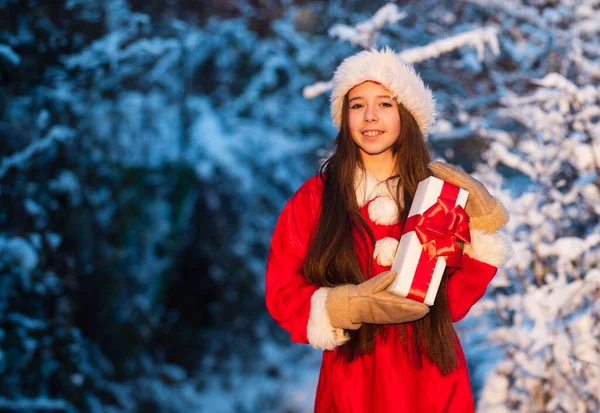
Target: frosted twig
(8, 54)
(557, 81)
(540, 96)
(316, 89)
(365, 33)
(578, 390)
(500, 153)
(476, 38)
(587, 66)
(590, 363)
(514, 8)
(41, 404)
(57, 133)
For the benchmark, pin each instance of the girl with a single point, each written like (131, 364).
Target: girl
(334, 243)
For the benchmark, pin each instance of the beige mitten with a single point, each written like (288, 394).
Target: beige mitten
(485, 211)
(349, 306)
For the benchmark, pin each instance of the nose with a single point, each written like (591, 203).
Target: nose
(370, 114)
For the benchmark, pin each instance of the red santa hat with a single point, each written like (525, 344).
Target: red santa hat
(386, 68)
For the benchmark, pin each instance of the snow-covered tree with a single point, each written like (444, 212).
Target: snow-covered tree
(546, 302)
(147, 148)
(136, 171)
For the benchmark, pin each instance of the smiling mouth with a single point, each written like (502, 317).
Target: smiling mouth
(372, 133)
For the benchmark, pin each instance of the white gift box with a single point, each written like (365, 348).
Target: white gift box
(410, 249)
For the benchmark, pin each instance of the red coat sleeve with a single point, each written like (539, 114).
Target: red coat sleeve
(467, 285)
(480, 262)
(288, 294)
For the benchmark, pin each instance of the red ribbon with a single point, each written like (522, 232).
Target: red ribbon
(438, 229)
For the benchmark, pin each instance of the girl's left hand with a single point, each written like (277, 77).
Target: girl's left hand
(485, 211)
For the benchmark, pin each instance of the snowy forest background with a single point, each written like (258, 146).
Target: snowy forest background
(146, 149)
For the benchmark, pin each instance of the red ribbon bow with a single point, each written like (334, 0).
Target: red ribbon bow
(439, 227)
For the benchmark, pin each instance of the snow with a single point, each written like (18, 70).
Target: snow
(37, 404)
(54, 240)
(9, 55)
(192, 134)
(478, 38)
(67, 182)
(57, 133)
(364, 34)
(18, 253)
(25, 322)
(316, 89)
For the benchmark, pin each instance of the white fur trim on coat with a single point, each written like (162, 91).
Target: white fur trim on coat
(386, 67)
(367, 187)
(383, 211)
(364, 184)
(491, 248)
(321, 334)
(385, 251)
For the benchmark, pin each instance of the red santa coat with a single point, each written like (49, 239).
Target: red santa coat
(383, 380)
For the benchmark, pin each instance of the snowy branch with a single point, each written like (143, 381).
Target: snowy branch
(567, 250)
(316, 89)
(514, 8)
(364, 34)
(558, 81)
(8, 54)
(39, 404)
(556, 88)
(501, 154)
(57, 133)
(477, 38)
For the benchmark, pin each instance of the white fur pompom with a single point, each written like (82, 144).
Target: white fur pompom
(383, 210)
(385, 251)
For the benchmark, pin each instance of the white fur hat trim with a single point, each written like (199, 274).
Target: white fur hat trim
(383, 211)
(385, 251)
(386, 67)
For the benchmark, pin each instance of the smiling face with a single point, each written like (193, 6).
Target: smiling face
(374, 121)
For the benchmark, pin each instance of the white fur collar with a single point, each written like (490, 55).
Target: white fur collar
(367, 187)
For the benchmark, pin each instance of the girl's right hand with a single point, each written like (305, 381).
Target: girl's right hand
(349, 306)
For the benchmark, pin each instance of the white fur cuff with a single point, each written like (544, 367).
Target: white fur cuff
(321, 334)
(491, 248)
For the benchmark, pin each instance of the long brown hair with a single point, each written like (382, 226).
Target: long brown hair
(332, 260)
